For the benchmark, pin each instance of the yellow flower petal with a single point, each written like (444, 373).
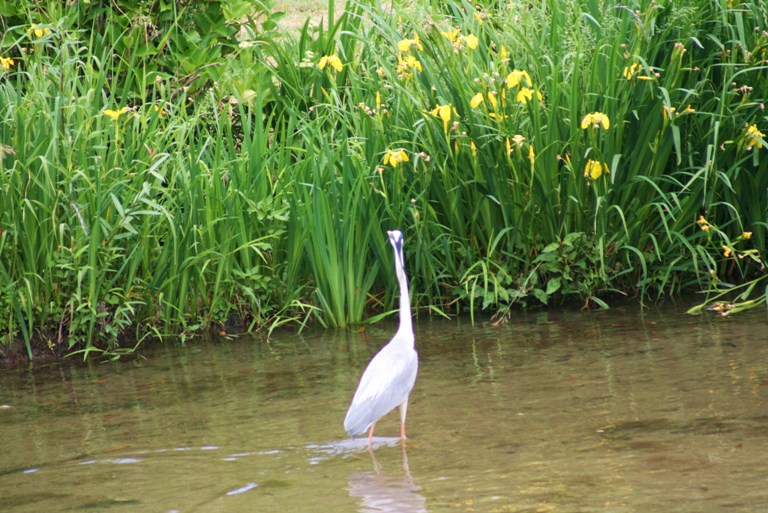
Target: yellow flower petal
(115, 114)
(668, 112)
(492, 99)
(595, 169)
(630, 71)
(516, 76)
(39, 31)
(395, 157)
(416, 42)
(452, 34)
(444, 113)
(596, 119)
(524, 95)
(332, 61)
(754, 137)
(413, 62)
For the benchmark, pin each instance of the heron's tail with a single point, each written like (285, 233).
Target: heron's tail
(355, 423)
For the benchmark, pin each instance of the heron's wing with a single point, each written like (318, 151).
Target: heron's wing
(385, 384)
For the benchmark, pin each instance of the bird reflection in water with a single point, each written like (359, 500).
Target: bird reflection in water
(387, 493)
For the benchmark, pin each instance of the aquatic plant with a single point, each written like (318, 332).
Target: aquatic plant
(530, 154)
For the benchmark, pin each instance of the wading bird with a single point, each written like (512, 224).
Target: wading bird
(390, 375)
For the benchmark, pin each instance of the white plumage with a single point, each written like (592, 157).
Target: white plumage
(390, 375)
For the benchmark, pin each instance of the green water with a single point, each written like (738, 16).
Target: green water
(616, 411)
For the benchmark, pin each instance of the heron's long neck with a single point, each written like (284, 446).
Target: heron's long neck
(405, 304)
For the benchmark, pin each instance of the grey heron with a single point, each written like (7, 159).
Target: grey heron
(390, 375)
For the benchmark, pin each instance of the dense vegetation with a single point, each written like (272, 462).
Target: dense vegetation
(174, 167)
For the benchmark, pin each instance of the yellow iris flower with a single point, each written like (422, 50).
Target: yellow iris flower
(395, 157)
(332, 61)
(115, 114)
(458, 41)
(6, 62)
(524, 95)
(516, 76)
(478, 99)
(410, 61)
(471, 41)
(444, 112)
(630, 71)
(406, 44)
(39, 31)
(703, 224)
(452, 35)
(595, 120)
(595, 169)
(754, 137)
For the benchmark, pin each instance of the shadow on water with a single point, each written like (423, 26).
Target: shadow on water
(613, 411)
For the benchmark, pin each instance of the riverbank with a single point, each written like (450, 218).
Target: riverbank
(173, 173)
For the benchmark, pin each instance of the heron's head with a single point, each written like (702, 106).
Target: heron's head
(396, 239)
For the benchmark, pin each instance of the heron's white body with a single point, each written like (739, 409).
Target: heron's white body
(384, 386)
(389, 378)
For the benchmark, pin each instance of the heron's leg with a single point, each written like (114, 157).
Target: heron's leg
(403, 411)
(370, 433)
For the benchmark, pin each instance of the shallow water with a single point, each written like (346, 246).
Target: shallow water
(612, 411)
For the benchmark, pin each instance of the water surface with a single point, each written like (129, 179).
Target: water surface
(617, 411)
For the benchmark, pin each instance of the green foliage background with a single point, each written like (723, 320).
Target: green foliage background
(242, 185)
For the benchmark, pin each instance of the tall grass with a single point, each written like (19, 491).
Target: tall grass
(531, 152)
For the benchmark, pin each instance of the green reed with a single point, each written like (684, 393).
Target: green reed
(530, 154)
